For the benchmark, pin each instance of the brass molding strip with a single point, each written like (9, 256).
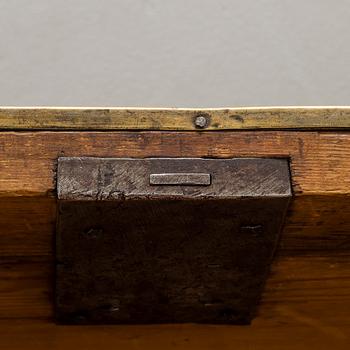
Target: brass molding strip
(252, 118)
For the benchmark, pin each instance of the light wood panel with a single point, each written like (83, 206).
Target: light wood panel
(44, 118)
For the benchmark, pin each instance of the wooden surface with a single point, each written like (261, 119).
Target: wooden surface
(307, 298)
(306, 334)
(312, 269)
(44, 118)
(320, 161)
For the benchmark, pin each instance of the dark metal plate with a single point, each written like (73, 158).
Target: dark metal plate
(146, 255)
(113, 179)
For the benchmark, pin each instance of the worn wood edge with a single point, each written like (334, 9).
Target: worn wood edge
(24, 193)
(307, 333)
(241, 118)
(319, 161)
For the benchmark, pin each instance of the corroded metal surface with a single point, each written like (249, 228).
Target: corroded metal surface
(115, 178)
(158, 258)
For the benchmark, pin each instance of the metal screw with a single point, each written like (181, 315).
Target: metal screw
(253, 229)
(201, 121)
(93, 232)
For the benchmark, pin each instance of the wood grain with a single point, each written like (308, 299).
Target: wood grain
(294, 283)
(315, 242)
(308, 333)
(45, 118)
(306, 299)
(308, 306)
(315, 226)
(26, 287)
(320, 161)
(27, 226)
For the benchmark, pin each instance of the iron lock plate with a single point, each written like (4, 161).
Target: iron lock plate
(165, 240)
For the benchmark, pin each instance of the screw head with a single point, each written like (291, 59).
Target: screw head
(252, 229)
(93, 232)
(201, 121)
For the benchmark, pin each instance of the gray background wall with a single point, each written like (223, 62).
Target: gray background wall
(184, 53)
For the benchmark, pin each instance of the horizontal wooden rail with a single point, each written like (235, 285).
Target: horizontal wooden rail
(67, 118)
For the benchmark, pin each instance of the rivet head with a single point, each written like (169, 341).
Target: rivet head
(252, 229)
(93, 232)
(201, 121)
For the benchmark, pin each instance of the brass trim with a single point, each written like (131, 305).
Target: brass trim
(177, 119)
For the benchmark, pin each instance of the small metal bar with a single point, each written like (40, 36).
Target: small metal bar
(180, 179)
